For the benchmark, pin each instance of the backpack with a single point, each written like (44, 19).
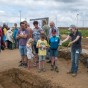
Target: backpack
(54, 42)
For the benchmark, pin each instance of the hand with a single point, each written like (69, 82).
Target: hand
(70, 43)
(45, 47)
(38, 46)
(28, 45)
(42, 32)
(20, 35)
(61, 42)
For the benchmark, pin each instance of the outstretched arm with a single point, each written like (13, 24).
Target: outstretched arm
(77, 38)
(68, 38)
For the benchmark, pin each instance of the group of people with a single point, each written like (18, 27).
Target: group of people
(34, 48)
(43, 43)
(8, 37)
(36, 45)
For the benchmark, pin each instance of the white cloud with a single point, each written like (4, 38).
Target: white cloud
(64, 12)
(1, 11)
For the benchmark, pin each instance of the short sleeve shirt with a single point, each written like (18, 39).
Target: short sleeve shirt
(77, 44)
(42, 51)
(23, 41)
(46, 29)
(36, 34)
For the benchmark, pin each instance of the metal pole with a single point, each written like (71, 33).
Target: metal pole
(56, 20)
(77, 19)
(83, 20)
(20, 15)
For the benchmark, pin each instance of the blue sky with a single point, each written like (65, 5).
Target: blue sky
(62, 12)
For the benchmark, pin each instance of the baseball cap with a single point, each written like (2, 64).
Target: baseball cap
(72, 27)
(53, 31)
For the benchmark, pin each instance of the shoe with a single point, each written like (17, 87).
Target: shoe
(52, 67)
(49, 61)
(20, 61)
(25, 65)
(56, 69)
(74, 74)
(70, 72)
(21, 64)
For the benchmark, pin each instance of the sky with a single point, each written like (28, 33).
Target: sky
(62, 12)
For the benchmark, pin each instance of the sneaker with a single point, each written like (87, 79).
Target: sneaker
(52, 67)
(74, 74)
(56, 69)
(25, 65)
(70, 72)
(49, 61)
(20, 61)
(21, 64)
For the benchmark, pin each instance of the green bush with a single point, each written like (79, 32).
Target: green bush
(66, 32)
(84, 33)
(65, 44)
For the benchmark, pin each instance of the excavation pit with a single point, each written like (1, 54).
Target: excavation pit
(16, 78)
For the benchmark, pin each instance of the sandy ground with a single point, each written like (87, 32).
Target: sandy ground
(10, 58)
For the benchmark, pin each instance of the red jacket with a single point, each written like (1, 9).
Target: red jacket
(0, 32)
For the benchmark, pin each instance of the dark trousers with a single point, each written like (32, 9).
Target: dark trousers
(9, 44)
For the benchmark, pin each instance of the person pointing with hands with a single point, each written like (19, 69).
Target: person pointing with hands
(76, 47)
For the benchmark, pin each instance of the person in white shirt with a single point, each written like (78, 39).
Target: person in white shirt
(9, 38)
(30, 55)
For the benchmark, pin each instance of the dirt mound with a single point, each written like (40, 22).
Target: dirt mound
(66, 54)
(16, 78)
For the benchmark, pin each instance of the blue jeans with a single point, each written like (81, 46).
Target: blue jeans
(23, 50)
(75, 53)
(53, 53)
(16, 43)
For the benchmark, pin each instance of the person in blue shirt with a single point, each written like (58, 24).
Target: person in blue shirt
(52, 26)
(15, 34)
(54, 43)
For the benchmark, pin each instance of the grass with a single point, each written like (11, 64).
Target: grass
(66, 32)
(84, 33)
